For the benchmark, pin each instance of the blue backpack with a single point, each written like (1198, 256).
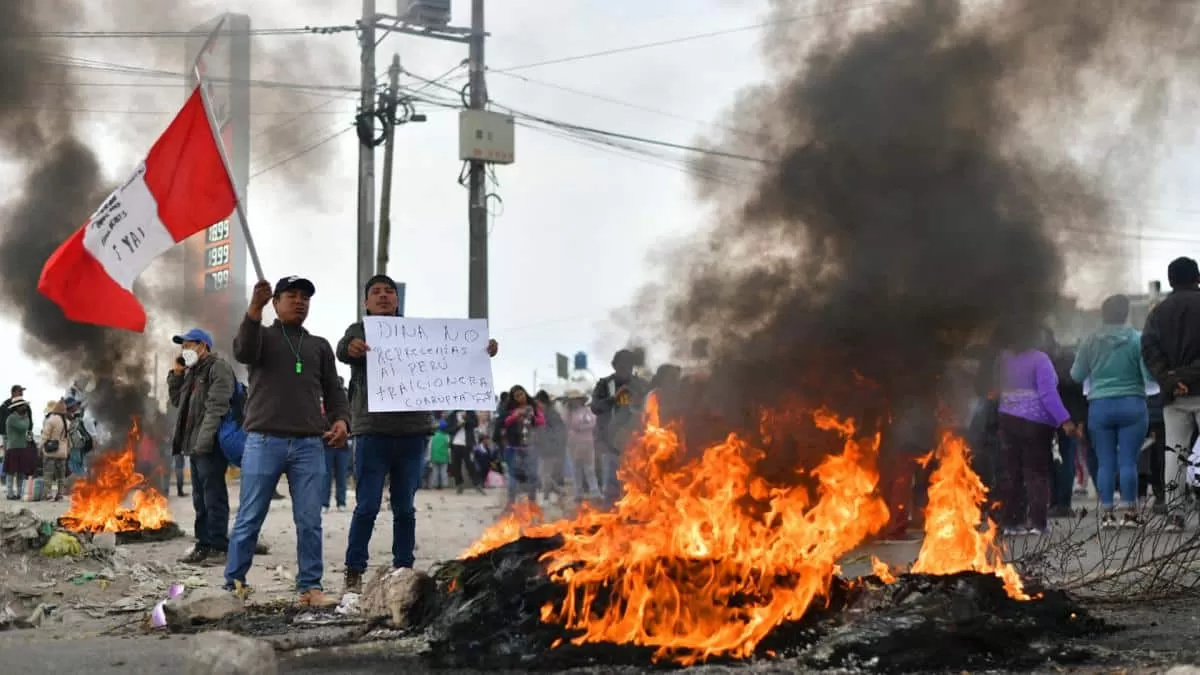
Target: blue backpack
(231, 435)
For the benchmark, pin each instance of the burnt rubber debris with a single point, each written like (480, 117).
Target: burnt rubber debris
(487, 615)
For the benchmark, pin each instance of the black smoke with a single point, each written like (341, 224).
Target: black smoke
(57, 181)
(911, 179)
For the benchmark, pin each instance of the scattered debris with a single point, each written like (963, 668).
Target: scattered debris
(223, 653)
(62, 545)
(201, 606)
(104, 542)
(22, 531)
(488, 615)
(397, 595)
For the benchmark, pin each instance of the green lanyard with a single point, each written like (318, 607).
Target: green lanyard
(295, 348)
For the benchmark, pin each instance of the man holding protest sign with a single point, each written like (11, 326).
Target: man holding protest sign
(291, 372)
(386, 443)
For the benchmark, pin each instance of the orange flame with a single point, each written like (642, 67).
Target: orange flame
(954, 541)
(98, 501)
(703, 558)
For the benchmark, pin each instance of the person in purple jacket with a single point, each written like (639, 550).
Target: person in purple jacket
(1030, 412)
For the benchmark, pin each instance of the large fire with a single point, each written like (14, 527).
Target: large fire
(99, 500)
(702, 558)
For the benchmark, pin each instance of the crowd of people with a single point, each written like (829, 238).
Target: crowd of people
(565, 448)
(1119, 411)
(42, 463)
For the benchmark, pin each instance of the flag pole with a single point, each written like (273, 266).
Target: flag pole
(239, 203)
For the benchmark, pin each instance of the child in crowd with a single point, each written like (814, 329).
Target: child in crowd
(439, 457)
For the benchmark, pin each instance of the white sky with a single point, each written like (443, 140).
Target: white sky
(577, 223)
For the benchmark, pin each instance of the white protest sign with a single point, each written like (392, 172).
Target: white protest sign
(427, 364)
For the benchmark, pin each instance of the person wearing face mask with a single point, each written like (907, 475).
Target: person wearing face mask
(386, 445)
(200, 386)
(293, 373)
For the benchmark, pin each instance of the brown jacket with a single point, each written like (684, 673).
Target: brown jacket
(54, 428)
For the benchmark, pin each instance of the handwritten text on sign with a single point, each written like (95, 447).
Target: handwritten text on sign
(427, 364)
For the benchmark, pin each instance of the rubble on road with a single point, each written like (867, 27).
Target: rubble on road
(400, 596)
(224, 653)
(22, 531)
(201, 606)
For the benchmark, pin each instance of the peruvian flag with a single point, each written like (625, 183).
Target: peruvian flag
(180, 189)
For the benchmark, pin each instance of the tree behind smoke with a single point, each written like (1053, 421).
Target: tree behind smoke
(916, 184)
(59, 181)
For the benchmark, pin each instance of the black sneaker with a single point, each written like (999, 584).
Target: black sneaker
(1108, 522)
(1174, 524)
(214, 558)
(197, 555)
(352, 581)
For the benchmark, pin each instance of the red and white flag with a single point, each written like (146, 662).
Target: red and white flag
(180, 189)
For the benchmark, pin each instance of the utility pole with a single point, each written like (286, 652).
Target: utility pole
(389, 153)
(477, 274)
(366, 156)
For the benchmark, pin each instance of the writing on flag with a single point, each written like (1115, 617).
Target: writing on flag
(180, 189)
(123, 236)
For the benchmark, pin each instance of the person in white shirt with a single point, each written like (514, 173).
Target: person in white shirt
(462, 427)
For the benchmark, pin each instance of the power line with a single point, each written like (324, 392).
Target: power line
(636, 139)
(625, 104)
(694, 37)
(257, 32)
(301, 152)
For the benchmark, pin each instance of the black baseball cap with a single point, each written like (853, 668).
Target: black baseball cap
(295, 283)
(380, 279)
(17, 390)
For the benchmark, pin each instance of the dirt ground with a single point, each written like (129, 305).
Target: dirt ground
(94, 597)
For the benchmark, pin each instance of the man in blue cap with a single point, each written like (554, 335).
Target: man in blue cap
(201, 386)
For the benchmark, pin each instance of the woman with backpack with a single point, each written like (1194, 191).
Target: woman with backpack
(55, 449)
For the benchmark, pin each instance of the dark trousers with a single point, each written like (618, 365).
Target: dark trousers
(337, 470)
(1062, 486)
(462, 466)
(210, 500)
(179, 459)
(1024, 471)
(1152, 465)
(905, 484)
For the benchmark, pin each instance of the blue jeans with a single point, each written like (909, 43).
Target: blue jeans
(610, 485)
(266, 458)
(1118, 428)
(375, 459)
(337, 469)
(529, 465)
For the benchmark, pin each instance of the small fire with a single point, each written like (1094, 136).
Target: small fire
(98, 502)
(954, 541)
(702, 558)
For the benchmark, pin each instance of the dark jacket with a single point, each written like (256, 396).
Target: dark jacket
(1171, 342)
(279, 400)
(615, 422)
(202, 395)
(470, 424)
(381, 423)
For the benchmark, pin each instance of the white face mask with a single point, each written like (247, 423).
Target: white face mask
(190, 357)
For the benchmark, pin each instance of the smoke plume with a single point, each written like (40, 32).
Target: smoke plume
(57, 181)
(915, 178)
